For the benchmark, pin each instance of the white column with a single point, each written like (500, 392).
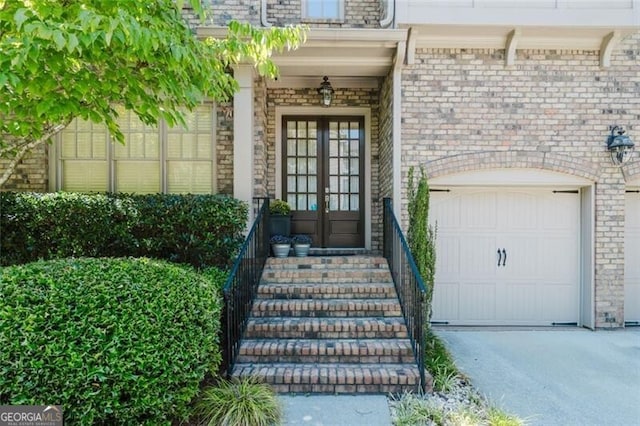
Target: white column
(243, 173)
(397, 130)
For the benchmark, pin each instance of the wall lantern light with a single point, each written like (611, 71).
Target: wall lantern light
(326, 91)
(620, 146)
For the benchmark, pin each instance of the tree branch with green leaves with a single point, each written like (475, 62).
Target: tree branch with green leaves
(82, 58)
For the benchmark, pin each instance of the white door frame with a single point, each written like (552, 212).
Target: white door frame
(313, 110)
(523, 177)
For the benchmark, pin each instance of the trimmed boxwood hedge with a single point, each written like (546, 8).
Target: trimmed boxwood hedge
(201, 230)
(114, 341)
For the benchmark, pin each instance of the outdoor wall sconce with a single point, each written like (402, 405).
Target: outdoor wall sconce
(326, 91)
(620, 146)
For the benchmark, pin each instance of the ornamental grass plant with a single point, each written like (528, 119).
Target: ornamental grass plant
(240, 402)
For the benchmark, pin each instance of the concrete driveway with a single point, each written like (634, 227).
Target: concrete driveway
(554, 376)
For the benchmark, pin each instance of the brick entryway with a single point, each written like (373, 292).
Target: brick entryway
(328, 325)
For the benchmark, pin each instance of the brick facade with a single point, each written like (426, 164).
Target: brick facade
(261, 160)
(224, 148)
(220, 12)
(31, 174)
(464, 110)
(357, 14)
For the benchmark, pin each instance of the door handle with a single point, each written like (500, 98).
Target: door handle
(504, 260)
(326, 203)
(499, 257)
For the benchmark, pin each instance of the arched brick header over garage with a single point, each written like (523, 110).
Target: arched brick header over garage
(466, 162)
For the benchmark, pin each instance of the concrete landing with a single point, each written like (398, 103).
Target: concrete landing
(336, 410)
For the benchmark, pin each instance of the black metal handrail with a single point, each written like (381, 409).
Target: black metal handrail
(409, 284)
(241, 287)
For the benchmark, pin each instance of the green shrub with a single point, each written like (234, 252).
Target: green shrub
(217, 276)
(239, 403)
(114, 341)
(200, 230)
(421, 237)
(279, 207)
(43, 226)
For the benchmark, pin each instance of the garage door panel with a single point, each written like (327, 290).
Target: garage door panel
(448, 256)
(631, 298)
(633, 211)
(521, 211)
(559, 258)
(520, 302)
(446, 301)
(522, 256)
(559, 302)
(560, 211)
(478, 301)
(632, 258)
(446, 208)
(480, 211)
(478, 257)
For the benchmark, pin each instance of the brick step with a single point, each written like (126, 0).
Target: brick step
(327, 291)
(326, 328)
(284, 276)
(326, 351)
(326, 308)
(327, 262)
(334, 378)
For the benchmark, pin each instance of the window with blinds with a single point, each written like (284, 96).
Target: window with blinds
(83, 157)
(137, 162)
(323, 9)
(153, 159)
(189, 155)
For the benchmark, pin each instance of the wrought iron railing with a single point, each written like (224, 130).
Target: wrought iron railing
(242, 285)
(409, 284)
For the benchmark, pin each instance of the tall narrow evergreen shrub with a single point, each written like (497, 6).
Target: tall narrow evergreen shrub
(421, 237)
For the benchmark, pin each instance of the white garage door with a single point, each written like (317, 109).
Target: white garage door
(506, 256)
(631, 264)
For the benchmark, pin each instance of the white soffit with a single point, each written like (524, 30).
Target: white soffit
(342, 53)
(339, 54)
(510, 177)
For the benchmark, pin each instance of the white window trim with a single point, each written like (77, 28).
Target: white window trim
(55, 162)
(306, 18)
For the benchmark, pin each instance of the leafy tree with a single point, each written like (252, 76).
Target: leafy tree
(61, 59)
(421, 237)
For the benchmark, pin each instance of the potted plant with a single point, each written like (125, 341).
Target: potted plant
(280, 223)
(301, 245)
(280, 244)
